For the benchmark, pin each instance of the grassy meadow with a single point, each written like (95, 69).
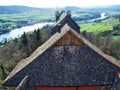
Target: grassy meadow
(100, 27)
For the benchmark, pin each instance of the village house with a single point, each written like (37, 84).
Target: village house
(67, 61)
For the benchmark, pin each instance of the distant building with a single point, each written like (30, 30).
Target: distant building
(67, 61)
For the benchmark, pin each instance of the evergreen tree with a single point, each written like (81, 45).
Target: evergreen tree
(38, 34)
(116, 27)
(15, 40)
(24, 38)
(4, 71)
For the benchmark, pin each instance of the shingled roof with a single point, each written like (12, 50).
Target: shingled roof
(66, 59)
(82, 64)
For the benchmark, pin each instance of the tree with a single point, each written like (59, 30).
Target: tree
(24, 38)
(116, 27)
(4, 71)
(15, 40)
(38, 34)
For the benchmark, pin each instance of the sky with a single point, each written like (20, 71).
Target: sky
(60, 3)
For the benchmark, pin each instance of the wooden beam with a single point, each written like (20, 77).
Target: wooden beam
(22, 84)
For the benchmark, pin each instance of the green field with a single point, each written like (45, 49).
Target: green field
(27, 15)
(98, 27)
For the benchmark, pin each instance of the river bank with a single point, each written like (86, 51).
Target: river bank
(19, 31)
(8, 26)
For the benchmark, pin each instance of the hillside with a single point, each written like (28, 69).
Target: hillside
(19, 9)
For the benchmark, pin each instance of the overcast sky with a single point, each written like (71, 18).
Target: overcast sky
(60, 3)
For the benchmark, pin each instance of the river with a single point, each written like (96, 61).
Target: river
(19, 31)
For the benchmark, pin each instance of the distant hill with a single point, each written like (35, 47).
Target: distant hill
(14, 9)
(109, 8)
(116, 8)
(71, 8)
(19, 9)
